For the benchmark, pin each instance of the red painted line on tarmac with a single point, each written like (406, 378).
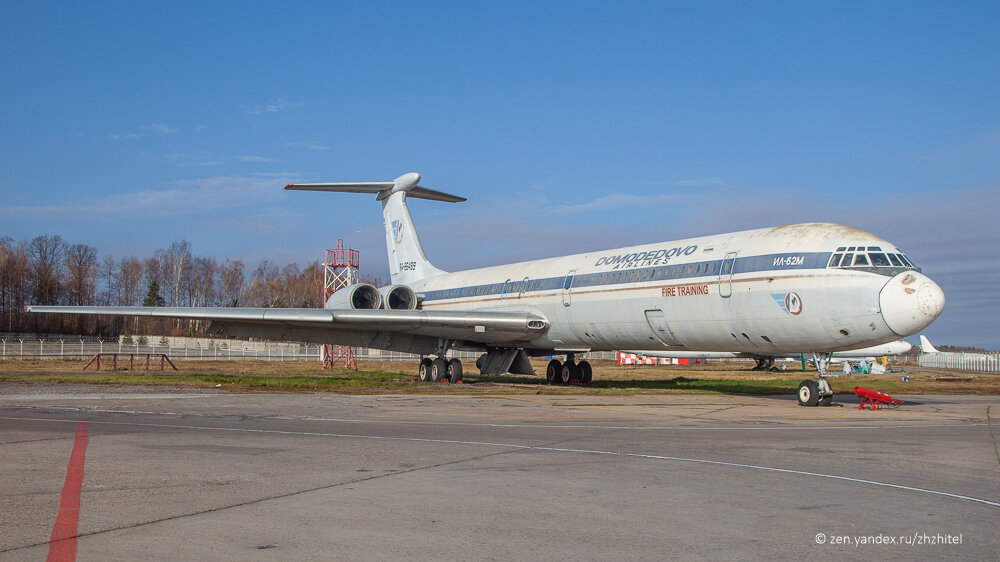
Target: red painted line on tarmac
(62, 543)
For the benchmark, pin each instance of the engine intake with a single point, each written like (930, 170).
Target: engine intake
(399, 297)
(360, 296)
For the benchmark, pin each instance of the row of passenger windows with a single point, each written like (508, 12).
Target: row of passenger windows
(871, 256)
(517, 287)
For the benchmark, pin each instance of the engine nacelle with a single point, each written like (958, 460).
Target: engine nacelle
(360, 296)
(398, 297)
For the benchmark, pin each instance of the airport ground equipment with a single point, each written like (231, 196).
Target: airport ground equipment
(874, 400)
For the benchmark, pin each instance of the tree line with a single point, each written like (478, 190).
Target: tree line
(48, 270)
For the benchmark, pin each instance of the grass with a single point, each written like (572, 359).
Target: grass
(379, 377)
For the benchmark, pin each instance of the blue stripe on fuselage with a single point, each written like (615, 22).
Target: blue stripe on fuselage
(638, 274)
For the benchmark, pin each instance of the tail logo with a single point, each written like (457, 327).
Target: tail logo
(397, 231)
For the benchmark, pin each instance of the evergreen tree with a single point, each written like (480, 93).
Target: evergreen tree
(153, 297)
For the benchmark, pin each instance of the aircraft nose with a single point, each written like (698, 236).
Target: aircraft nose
(910, 301)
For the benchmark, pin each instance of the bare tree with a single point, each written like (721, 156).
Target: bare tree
(81, 270)
(175, 266)
(15, 281)
(46, 267)
(231, 280)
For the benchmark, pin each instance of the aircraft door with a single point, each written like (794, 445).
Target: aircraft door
(726, 275)
(658, 323)
(567, 295)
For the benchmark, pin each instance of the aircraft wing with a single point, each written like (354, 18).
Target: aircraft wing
(416, 331)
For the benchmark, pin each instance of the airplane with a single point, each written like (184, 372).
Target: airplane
(925, 345)
(766, 362)
(813, 287)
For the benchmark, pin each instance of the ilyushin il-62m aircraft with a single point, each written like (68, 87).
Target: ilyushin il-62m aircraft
(803, 288)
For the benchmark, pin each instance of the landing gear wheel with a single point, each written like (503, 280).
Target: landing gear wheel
(586, 372)
(825, 401)
(439, 369)
(454, 371)
(554, 371)
(570, 373)
(481, 364)
(808, 393)
(424, 370)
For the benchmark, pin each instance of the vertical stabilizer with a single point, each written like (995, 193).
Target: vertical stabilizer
(925, 345)
(407, 262)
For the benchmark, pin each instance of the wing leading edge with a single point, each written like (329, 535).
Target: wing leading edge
(417, 331)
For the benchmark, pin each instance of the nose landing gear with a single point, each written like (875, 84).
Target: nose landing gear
(817, 392)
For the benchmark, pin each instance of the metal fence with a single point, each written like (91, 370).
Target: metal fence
(982, 362)
(24, 347)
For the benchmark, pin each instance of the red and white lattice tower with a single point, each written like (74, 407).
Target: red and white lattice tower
(340, 270)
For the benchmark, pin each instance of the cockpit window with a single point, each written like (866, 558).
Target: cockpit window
(878, 259)
(868, 256)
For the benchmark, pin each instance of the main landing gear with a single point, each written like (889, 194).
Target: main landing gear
(764, 364)
(817, 392)
(440, 370)
(569, 372)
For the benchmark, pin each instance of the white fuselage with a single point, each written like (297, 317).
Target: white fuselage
(766, 291)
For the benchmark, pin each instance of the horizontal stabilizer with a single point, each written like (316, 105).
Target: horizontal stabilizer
(406, 182)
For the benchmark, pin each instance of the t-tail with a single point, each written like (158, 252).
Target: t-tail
(407, 262)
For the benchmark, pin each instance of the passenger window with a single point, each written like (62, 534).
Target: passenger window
(879, 260)
(689, 271)
(861, 260)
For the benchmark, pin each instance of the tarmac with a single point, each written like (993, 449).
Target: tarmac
(174, 474)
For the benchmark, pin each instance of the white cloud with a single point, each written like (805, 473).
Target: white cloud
(255, 158)
(310, 144)
(610, 201)
(145, 130)
(700, 182)
(180, 198)
(161, 128)
(271, 107)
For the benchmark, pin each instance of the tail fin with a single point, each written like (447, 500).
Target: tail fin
(925, 345)
(407, 262)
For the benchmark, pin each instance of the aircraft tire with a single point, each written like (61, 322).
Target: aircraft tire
(481, 364)
(553, 372)
(424, 370)
(825, 400)
(454, 371)
(570, 373)
(439, 369)
(586, 372)
(808, 393)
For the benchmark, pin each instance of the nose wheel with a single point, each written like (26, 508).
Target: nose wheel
(817, 392)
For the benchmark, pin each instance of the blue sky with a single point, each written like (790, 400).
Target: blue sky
(571, 126)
